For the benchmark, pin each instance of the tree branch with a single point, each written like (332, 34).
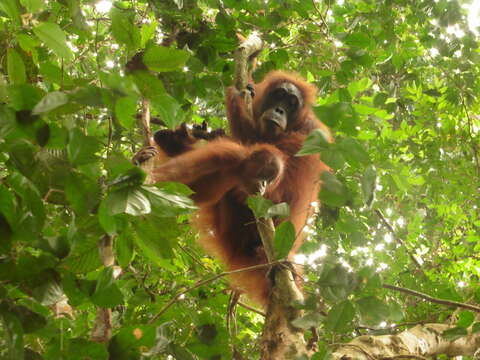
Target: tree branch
(432, 299)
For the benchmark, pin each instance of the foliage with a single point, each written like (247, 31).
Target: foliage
(398, 85)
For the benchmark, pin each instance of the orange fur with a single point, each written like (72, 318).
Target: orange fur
(220, 171)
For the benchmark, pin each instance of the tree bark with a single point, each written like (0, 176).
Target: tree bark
(280, 340)
(419, 342)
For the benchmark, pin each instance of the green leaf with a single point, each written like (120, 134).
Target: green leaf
(24, 96)
(356, 87)
(15, 67)
(284, 239)
(259, 205)
(372, 310)
(131, 340)
(129, 200)
(150, 86)
(476, 328)
(309, 320)
(163, 59)
(107, 293)
(369, 182)
(333, 192)
(33, 6)
(10, 7)
(454, 333)
(340, 317)
(169, 110)
(124, 29)
(81, 349)
(317, 141)
(125, 111)
(281, 210)
(167, 203)
(465, 319)
(81, 148)
(49, 102)
(124, 252)
(353, 152)
(54, 37)
(155, 237)
(13, 334)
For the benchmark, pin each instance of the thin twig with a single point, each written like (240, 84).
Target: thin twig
(174, 299)
(397, 239)
(470, 128)
(251, 308)
(432, 299)
(147, 132)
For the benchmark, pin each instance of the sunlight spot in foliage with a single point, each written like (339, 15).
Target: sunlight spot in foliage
(461, 284)
(340, 2)
(379, 247)
(434, 52)
(109, 64)
(389, 212)
(401, 221)
(103, 6)
(185, 69)
(383, 324)
(114, 46)
(455, 30)
(388, 238)
(474, 16)
(381, 267)
(72, 47)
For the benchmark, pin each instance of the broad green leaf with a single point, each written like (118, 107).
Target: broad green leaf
(353, 152)
(163, 59)
(107, 293)
(148, 32)
(124, 29)
(284, 239)
(356, 87)
(81, 148)
(465, 319)
(169, 110)
(13, 334)
(316, 142)
(54, 37)
(50, 102)
(33, 5)
(129, 200)
(11, 9)
(84, 256)
(309, 320)
(372, 310)
(476, 328)
(81, 349)
(454, 333)
(333, 192)
(340, 316)
(131, 340)
(155, 237)
(259, 205)
(24, 96)
(15, 67)
(281, 210)
(369, 182)
(166, 203)
(125, 111)
(149, 85)
(124, 251)
(364, 109)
